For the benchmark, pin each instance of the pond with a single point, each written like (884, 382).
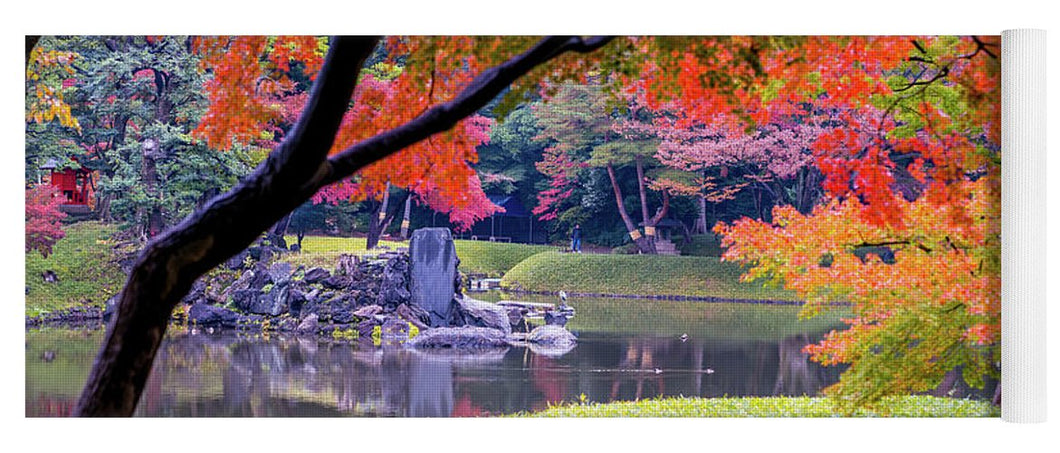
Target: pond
(628, 349)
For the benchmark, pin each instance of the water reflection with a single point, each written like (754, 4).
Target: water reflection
(232, 376)
(627, 350)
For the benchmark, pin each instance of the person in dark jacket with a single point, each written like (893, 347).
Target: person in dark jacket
(576, 239)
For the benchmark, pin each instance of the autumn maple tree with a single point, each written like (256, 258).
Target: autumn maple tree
(409, 75)
(43, 229)
(909, 232)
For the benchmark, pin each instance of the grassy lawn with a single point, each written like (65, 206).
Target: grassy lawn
(701, 245)
(636, 274)
(905, 406)
(494, 258)
(324, 251)
(490, 258)
(82, 261)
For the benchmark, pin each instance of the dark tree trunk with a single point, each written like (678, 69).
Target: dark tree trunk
(642, 243)
(152, 215)
(103, 207)
(665, 208)
(649, 226)
(103, 200)
(152, 151)
(375, 225)
(278, 232)
(390, 216)
(291, 174)
(687, 232)
(405, 217)
(700, 226)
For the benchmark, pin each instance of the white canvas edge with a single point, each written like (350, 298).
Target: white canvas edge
(1023, 230)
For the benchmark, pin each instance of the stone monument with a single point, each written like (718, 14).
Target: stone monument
(432, 272)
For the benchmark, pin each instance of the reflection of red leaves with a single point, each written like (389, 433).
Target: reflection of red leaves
(464, 407)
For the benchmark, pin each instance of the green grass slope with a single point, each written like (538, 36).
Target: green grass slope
(83, 262)
(647, 275)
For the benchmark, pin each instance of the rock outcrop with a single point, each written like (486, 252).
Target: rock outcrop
(391, 296)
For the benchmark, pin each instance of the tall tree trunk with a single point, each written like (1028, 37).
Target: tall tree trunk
(375, 224)
(103, 207)
(291, 174)
(103, 200)
(405, 217)
(649, 227)
(152, 215)
(641, 241)
(665, 208)
(152, 151)
(700, 226)
(390, 216)
(276, 235)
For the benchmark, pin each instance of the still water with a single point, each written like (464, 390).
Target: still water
(627, 350)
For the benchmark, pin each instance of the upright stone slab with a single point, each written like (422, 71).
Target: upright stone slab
(432, 263)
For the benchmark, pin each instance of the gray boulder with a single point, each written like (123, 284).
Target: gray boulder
(197, 294)
(466, 337)
(280, 273)
(337, 282)
(551, 336)
(296, 298)
(241, 283)
(415, 315)
(309, 324)
(272, 303)
(235, 263)
(211, 316)
(368, 311)
(261, 277)
(482, 314)
(316, 274)
(394, 288)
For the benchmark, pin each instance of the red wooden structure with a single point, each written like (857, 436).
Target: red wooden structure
(75, 185)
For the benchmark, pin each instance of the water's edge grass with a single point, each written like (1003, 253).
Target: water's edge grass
(781, 406)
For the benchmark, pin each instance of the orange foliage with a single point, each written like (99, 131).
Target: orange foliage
(920, 267)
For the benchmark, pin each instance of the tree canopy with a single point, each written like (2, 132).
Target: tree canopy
(855, 170)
